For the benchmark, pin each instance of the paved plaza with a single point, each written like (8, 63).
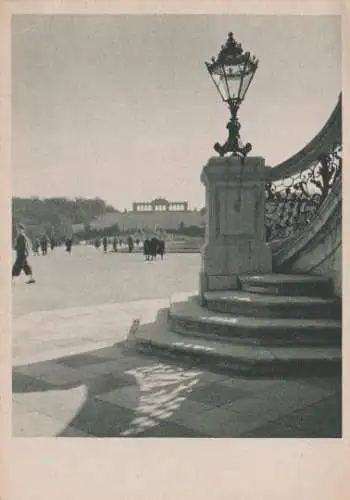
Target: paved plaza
(76, 372)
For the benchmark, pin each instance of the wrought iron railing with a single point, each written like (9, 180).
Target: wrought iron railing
(296, 189)
(291, 203)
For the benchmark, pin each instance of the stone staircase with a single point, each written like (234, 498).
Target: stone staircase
(191, 245)
(275, 323)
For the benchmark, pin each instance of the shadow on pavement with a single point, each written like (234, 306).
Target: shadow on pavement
(128, 394)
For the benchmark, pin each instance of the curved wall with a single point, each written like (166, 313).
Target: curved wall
(318, 249)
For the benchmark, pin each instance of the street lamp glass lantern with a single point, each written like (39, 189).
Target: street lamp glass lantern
(232, 73)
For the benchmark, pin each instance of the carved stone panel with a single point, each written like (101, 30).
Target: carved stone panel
(237, 211)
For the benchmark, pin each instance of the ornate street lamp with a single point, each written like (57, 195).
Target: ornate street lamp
(232, 72)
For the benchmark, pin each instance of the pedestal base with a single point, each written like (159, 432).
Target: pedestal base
(222, 264)
(235, 232)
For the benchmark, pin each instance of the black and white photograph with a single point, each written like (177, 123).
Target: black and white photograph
(176, 226)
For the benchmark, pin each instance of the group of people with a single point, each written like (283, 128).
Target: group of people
(105, 243)
(152, 245)
(22, 247)
(115, 242)
(42, 243)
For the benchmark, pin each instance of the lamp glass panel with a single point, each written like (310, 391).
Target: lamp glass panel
(221, 86)
(246, 79)
(233, 83)
(233, 80)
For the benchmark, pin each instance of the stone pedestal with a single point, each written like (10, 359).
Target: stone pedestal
(235, 229)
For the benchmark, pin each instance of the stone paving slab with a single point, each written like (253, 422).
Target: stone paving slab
(98, 385)
(88, 278)
(34, 424)
(119, 393)
(311, 421)
(56, 404)
(42, 335)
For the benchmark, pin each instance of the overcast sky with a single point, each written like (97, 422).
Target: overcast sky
(122, 106)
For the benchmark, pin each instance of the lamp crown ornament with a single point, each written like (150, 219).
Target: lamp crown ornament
(232, 72)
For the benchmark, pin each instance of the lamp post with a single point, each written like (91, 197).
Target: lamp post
(234, 187)
(232, 73)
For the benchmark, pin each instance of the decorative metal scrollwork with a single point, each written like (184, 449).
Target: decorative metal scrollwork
(233, 144)
(291, 203)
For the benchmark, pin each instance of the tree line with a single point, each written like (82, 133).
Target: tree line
(56, 216)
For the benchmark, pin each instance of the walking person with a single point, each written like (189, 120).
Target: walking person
(146, 248)
(69, 243)
(52, 243)
(130, 244)
(22, 252)
(97, 243)
(44, 244)
(154, 248)
(36, 246)
(105, 244)
(115, 244)
(161, 248)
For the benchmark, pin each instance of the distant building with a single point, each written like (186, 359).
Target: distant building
(160, 205)
(77, 228)
(159, 213)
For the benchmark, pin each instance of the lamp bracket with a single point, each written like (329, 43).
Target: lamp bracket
(233, 144)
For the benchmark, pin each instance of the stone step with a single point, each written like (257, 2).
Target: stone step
(251, 360)
(189, 318)
(272, 306)
(287, 284)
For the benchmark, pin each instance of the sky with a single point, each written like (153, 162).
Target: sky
(121, 107)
